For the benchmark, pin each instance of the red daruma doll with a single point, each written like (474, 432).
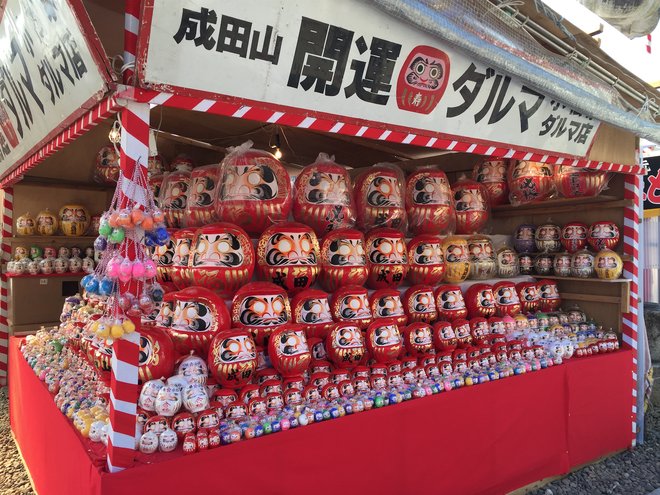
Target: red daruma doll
(174, 192)
(575, 182)
(323, 198)
(387, 258)
(506, 299)
(492, 174)
(232, 358)
(311, 309)
(549, 299)
(379, 195)
(351, 304)
(530, 182)
(384, 340)
(426, 260)
(254, 190)
(343, 259)
(429, 203)
(260, 307)
(471, 203)
(202, 196)
(450, 303)
(345, 345)
(288, 350)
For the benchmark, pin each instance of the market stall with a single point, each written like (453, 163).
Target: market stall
(404, 226)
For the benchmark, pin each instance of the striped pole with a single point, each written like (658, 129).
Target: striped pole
(131, 28)
(7, 224)
(124, 374)
(632, 215)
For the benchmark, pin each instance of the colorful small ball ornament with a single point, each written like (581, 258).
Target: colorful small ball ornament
(350, 304)
(471, 203)
(107, 165)
(260, 307)
(530, 182)
(549, 295)
(311, 309)
(181, 275)
(288, 255)
(426, 260)
(608, 265)
(387, 258)
(25, 225)
(561, 264)
(46, 223)
(548, 238)
(254, 190)
(199, 314)
(386, 303)
(543, 264)
(507, 263)
(528, 296)
(345, 345)
(323, 198)
(457, 259)
(492, 174)
(223, 258)
(418, 339)
(156, 355)
(74, 220)
(379, 193)
(343, 259)
(524, 238)
(288, 350)
(429, 203)
(483, 263)
(574, 236)
(384, 340)
(480, 301)
(450, 303)
(201, 198)
(582, 264)
(444, 337)
(506, 299)
(576, 182)
(173, 197)
(419, 304)
(603, 235)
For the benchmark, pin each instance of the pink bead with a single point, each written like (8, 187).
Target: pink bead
(138, 269)
(149, 269)
(125, 270)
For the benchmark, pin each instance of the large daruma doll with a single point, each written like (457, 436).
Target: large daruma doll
(450, 303)
(345, 345)
(311, 309)
(506, 299)
(384, 340)
(323, 198)
(530, 182)
(202, 196)
(173, 198)
(343, 259)
(379, 193)
(426, 260)
(222, 258)
(254, 190)
(576, 182)
(471, 203)
(351, 304)
(492, 174)
(549, 298)
(288, 350)
(387, 259)
(183, 240)
(260, 307)
(457, 259)
(232, 358)
(429, 203)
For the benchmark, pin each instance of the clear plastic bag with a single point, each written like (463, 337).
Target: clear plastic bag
(202, 196)
(472, 207)
(530, 182)
(379, 197)
(429, 202)
(493, 175)
(577, 182)
(173, 197)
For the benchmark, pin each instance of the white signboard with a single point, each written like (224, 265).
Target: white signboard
(347, 59)
(48, 75)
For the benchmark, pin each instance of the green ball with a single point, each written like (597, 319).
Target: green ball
(105, 229)
(117, 235)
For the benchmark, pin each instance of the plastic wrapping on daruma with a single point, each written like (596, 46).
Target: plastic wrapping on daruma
(471, 203)
(107, 165)
(493, 175)
(429, 202)
(577, 182)
(200, 208)
(530, 182)
(173, 196)
(379, 197)
(254, 189)
(323, 196)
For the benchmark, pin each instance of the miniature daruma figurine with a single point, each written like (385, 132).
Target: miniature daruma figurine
(254, 190)
(384, 340)
(548, 238)
(582, 264)
(418, 338)
(492, 174)
(480, 301)
(426, 260)
(47, 223)
(350, 304)
(449, 302)
(345, 345)
(457, 260)
(483, 264)
(322, 196)
(549, 295)
(343, 259)
(379, 195)
(202, 195)
(608, 265)
(574, 236)
(530, 182)
(222, 258)
(419, 304)
(311, 309)
(603, 235)
(386, 303)
(471, 203)
(429, 203)
(288, 350)
(25, 225)
(387, 259)
(232, 358)
(288, 256)
(575, 182)
(506, 299)
(260, 307)
(74, 220)
(444, 337)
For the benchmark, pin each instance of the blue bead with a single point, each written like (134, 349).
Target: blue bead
(258, 431)
(100, 243)
(92, 285)
(162, 235)
(318, 416)
(150, 239)
(106, 287)
(85, 280)
(277, 426)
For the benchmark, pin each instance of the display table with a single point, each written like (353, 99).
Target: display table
(488, 439)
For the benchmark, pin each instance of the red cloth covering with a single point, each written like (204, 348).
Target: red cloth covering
(487, 439)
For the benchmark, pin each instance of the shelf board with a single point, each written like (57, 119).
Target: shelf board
(29, 180)
(50, 275)
(580, 279)
(560, 205)
(47, 238)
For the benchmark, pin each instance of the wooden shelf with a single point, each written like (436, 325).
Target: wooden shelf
(580, 279)
(560, 205)
(47, 238)
(29, 180)
(50, 275)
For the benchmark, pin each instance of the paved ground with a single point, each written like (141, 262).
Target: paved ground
(630, 473)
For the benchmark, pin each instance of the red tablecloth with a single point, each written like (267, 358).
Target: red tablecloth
(488, 439)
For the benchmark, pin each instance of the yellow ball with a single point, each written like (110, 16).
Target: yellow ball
(103, 330)
(129, 326)
(116, 331)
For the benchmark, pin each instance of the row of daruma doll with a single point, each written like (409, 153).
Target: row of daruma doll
(252, 189)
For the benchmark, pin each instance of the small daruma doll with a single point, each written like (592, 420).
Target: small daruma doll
(530, 182)
(480, 301)
(222, 258)
(350, 304)
(288, 350)
(232, 358)
(429, 203)
(418, 338)
(457, 260)
(492, 174)
(379, 195)
(254, 189)
(311, 309)
(528, 296)
(549, 299)
(426, 260)
(386, 303)
(384, 340)
(450, 303)
(387, 259)
(603, 235)
(322, 196)
(260, 307)
(506, 299)
(345, 345)
(471, 203)
(548, 238)
(343, 259)
(574, 236)
(444, 337)
(483, 264)
(419, 304)
(608, 265)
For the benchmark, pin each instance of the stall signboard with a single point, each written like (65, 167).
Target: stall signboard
(348, 60)
(651, 195)
(52, 70)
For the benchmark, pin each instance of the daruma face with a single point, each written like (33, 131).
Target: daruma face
(290, 248)
(387, 250)
(346, 252)
(235, 349)
(431, 190)
(265, 310)
(325, 188)
(223, 249)
(384, 191)
(250, 183)
(422, 80)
